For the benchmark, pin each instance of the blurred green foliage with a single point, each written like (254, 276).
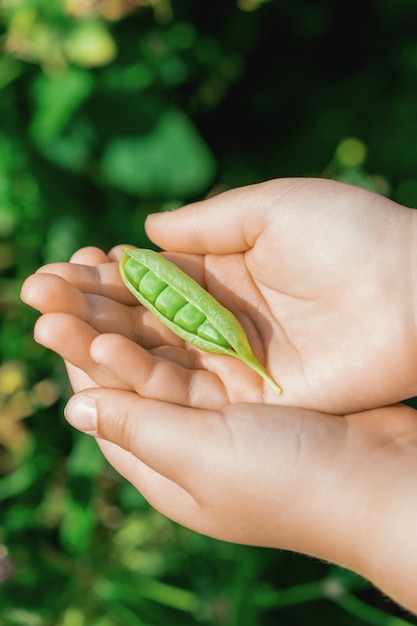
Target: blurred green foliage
(110, 109)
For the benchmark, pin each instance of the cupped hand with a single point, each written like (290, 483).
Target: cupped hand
(319, 273)
(338, 488)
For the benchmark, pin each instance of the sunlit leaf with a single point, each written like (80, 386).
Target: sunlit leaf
(86, 458)
(10, 69)
(61, 240)
(78, 515)
(57, 96)
(72, 149)
(172, 159)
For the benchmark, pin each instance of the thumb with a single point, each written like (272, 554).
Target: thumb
(224, 224)
(156, 433)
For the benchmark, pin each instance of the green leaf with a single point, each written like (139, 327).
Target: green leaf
(61, 239)
(71, 151)
(10, 69)
(171, 160)
(78, 516)
(86, 458)
(57, 96)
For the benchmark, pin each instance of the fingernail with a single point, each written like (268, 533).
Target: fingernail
(81, 412)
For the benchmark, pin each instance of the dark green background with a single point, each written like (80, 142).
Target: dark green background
(109, 111)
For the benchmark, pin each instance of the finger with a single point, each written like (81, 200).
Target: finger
(227, 223)
(49, 293)
(78, 378)
(71, 338)
(89, 256)
(168, 438)
(103, 279)
(116, 252)
(181, 381)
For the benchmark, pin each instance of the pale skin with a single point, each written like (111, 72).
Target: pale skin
(322, 277)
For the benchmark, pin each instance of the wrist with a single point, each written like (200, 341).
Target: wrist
(388, 552)
(378, 498)
(354, 505)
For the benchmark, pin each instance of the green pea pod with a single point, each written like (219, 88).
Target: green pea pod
(187, 309)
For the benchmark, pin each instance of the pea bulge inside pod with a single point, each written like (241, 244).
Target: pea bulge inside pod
(171, 304)
(187, 309)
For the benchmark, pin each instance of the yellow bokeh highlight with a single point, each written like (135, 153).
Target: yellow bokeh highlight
(12, 378)
(250, 5)
(351, 152)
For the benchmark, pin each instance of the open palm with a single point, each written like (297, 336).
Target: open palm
(317, 272)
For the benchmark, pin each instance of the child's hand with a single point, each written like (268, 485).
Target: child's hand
(319, 273)
(322, 277)
(339, 488)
